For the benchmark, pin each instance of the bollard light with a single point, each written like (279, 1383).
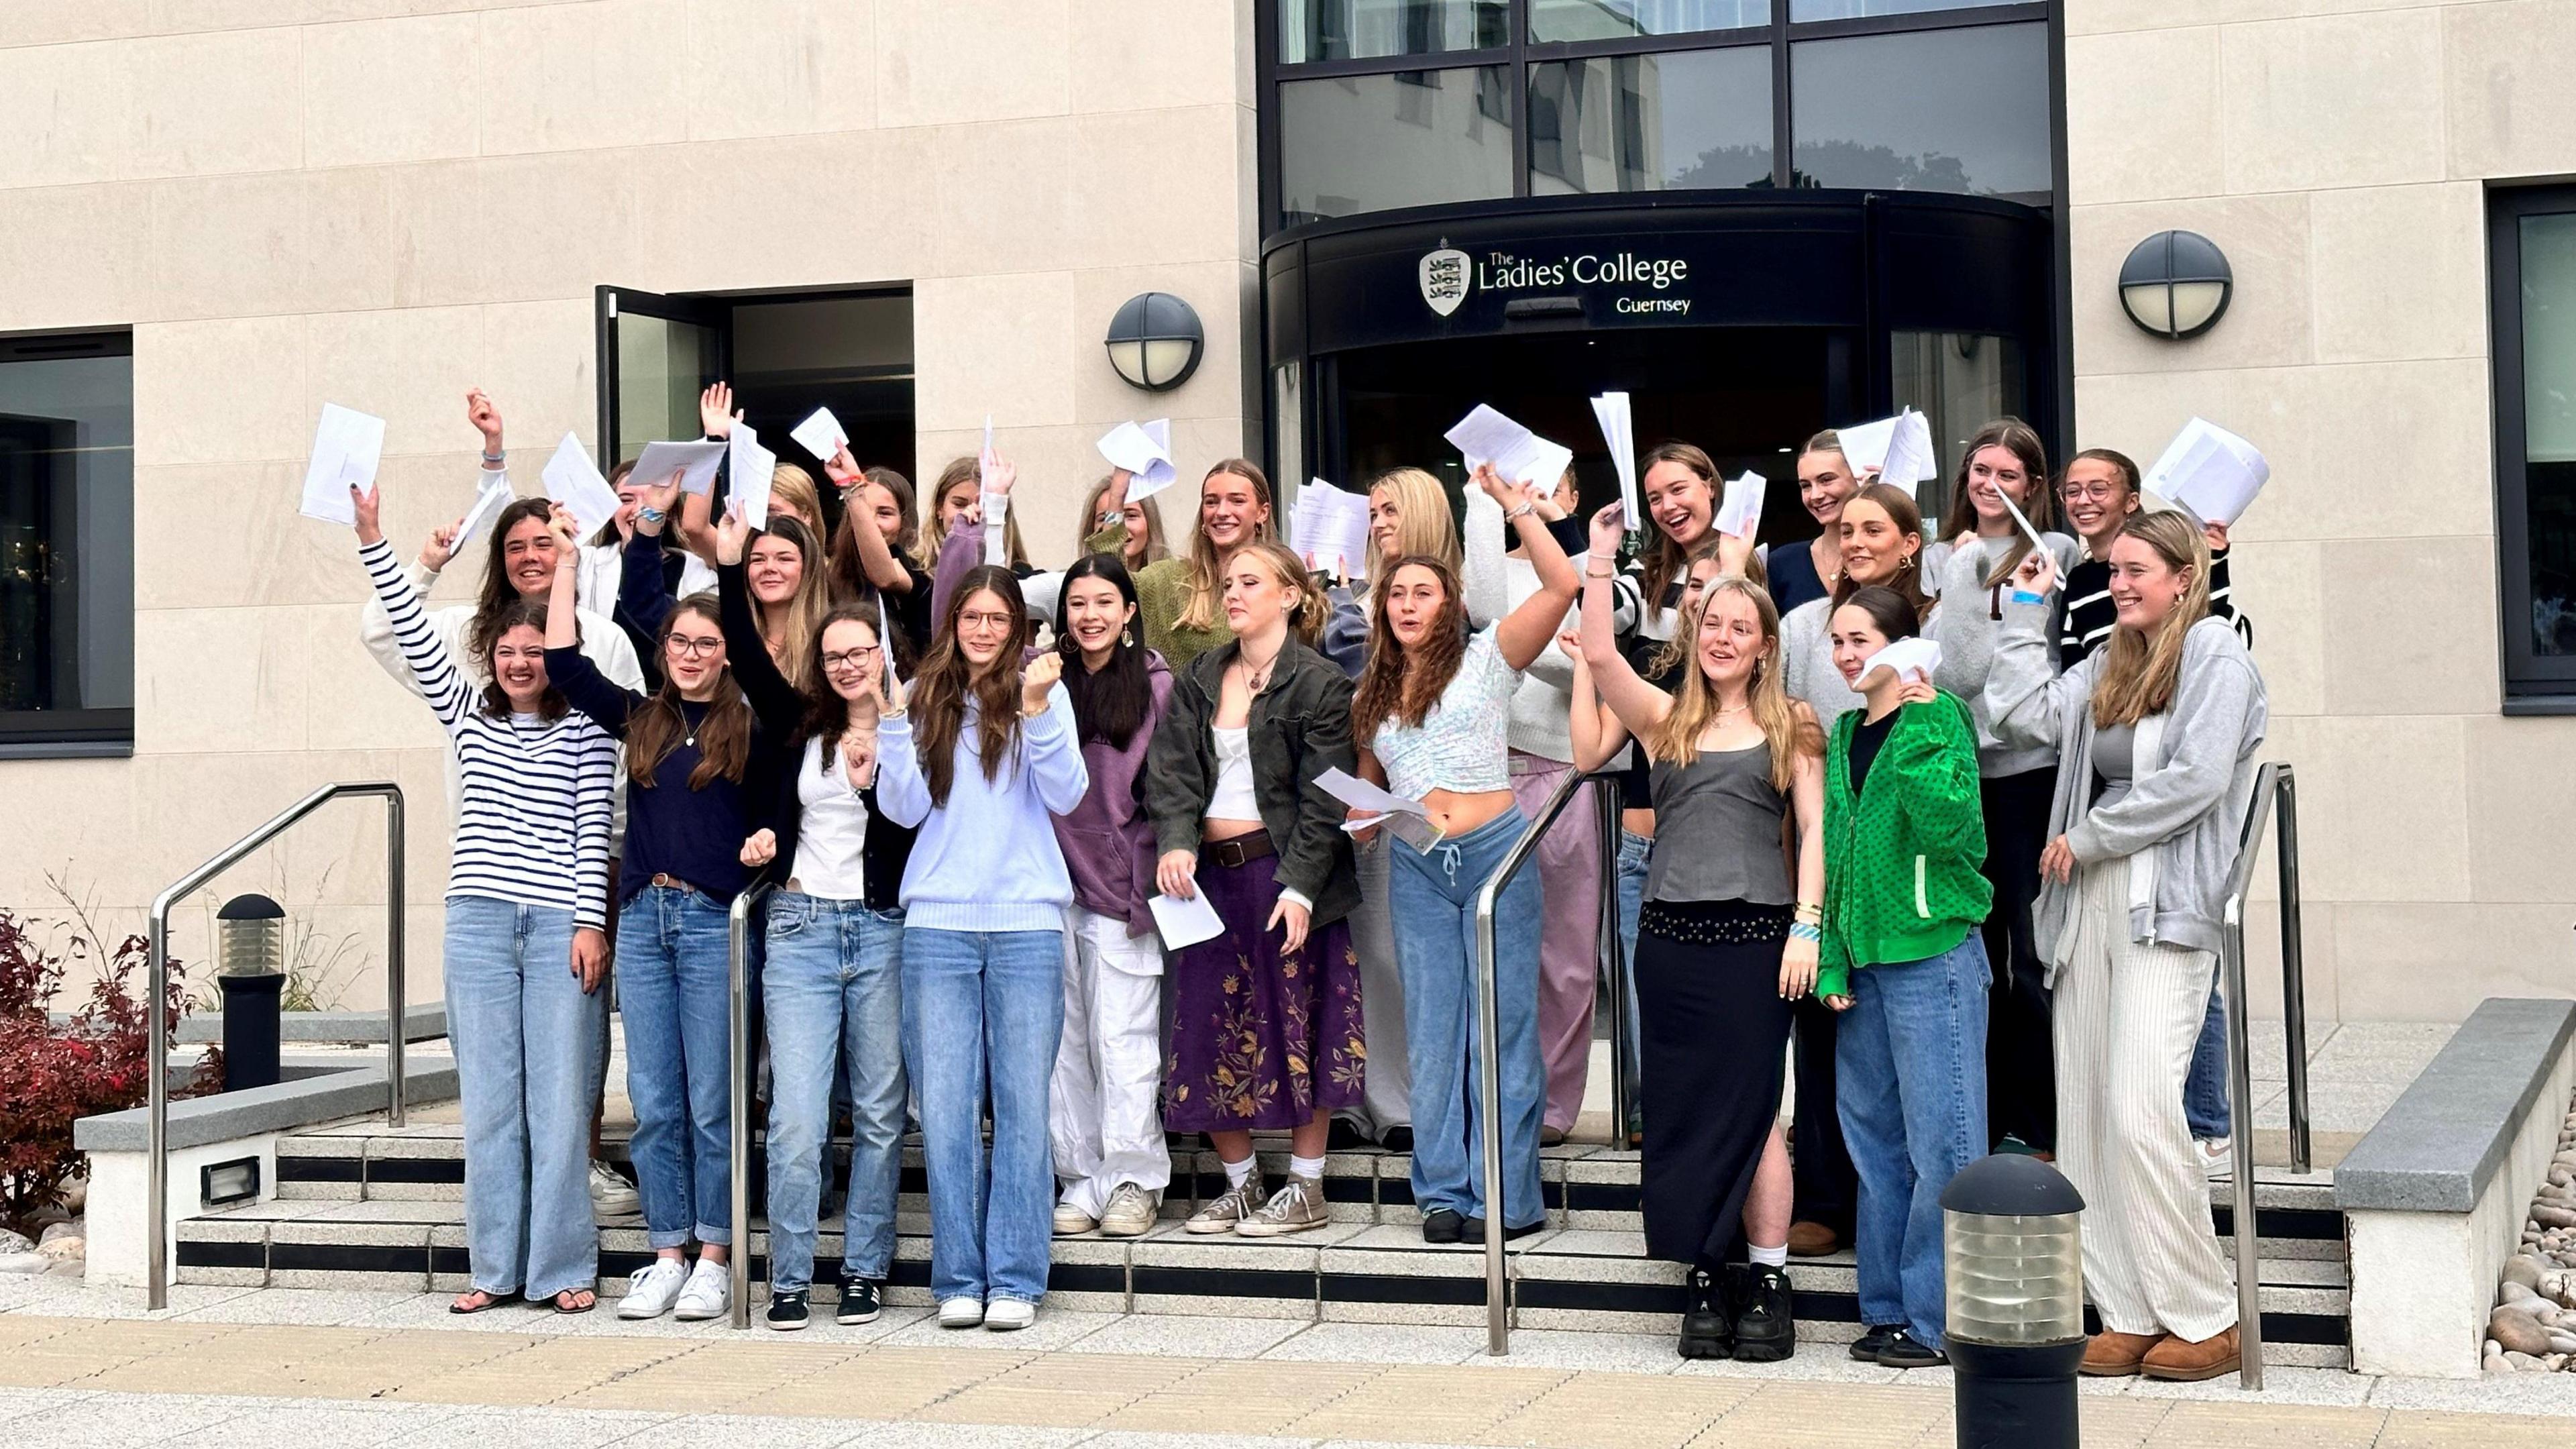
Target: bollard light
(250, 937)
(250, 970)
(2013, 1254)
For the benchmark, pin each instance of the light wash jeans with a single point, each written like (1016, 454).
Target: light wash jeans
(832, 984)
(1910, 1073)
(1106, 1119)
(2204, 1092)
(1434, 895)
(673, 990)
(524, 1033)
(983, 1012)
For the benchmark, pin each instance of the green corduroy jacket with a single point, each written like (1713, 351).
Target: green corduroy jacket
(1902, 855)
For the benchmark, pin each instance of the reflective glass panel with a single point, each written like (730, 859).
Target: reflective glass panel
(1962, 110)
(1414, 138)
(1959, 381)
(1618, 19)
(1859, 9)
(1694, 118)
(1360, 29)
(67, 540)
(661, 366)
(2549, 426)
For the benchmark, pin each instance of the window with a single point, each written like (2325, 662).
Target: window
(1958, 381)
(1408, 138)
(1311, 30)
(66, 544)
(1804, 10)
(2532, 263)
(1693, 118)
(1619, 19)
(1962, 110)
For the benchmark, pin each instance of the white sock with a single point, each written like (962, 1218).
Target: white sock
(1306, 1166)
(1238, 1173)
(1768, 1257)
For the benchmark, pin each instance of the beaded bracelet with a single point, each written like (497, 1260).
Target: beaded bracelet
(1805, 931)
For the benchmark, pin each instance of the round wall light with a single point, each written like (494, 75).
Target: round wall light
(2176, 284)
(1155, 341)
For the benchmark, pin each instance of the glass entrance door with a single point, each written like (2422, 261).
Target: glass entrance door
(656, 354)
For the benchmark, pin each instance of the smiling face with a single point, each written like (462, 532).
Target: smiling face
(519, 666)
(960, 495)
(693, 652)
(883, 508)
(851, 656)
(1230, 511)
(1679, 501)
(1825, 484)
(1140, 532)
(1856, 637)
(1695, 583)
(1992, 468)
(1875, 550)
(776, 567)
(1386, 520)
(983, 628)
(2144, 588)
(1413, 603)
(528, 557)
(2097, 498)
(1730, 638)
(1095, 614)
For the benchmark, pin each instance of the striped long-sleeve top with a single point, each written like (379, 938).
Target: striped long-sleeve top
(532, 814)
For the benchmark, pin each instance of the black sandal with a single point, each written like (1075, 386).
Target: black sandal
(490, 1301)
(561, 1307)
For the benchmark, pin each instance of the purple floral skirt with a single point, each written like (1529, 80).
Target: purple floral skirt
(1261, 1039)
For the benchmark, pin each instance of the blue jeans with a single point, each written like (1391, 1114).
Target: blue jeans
(983, 1013)
(833, 987)
(2204, 1091)
(1910, 1059)
(524, 1033)
(1434, 900)
(674, 990)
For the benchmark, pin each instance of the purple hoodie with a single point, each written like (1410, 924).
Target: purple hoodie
(1108, 842)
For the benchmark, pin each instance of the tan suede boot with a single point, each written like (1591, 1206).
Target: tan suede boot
(2118, 1355)
(2185, 1362)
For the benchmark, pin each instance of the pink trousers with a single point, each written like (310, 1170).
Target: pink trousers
(1569, 871)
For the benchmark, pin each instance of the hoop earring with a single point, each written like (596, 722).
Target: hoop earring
(1905, 563)
(1126, 637)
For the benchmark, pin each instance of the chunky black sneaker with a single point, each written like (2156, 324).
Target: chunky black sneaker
(1707, 1329)
(859, 1300)
(1871, 1344)
(1472, 1230)
(1766, 1325)
(1440, 1225)
(787, 1311)
(1905, 1351)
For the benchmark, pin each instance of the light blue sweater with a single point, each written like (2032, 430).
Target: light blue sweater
(988, 859)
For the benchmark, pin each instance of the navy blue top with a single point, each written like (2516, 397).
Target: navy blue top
(1794, 579)
(696, 835)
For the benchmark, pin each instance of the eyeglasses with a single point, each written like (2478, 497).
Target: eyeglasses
(2090, 492)
(983, 621)
(852, 658)
(692, 648)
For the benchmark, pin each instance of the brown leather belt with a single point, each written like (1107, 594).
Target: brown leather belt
(1240, 850)
(665, 878)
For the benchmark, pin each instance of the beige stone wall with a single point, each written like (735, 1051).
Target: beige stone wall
(2338, 153)
(384, 202)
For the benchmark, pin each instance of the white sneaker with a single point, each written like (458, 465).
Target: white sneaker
(1072, 1221)
(611, 1196)
(1006, 1315)
(2217, 1155)
(708, 1294)
(650, 1289)
(961, 1313)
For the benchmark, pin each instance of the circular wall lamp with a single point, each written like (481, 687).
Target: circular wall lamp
(1155, 340)
(2176, 284)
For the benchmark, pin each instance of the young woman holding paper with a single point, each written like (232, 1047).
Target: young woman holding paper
(1432, 714)
(1111, 1162)
(1726, 941)
(603, 562)
(2155, 735)
(1139, 524)
(977, 760)
(873, 555)
(1266, 1015)
(1180, 601)
(699, 765)
(1799, 576)
(527, 910)
(1904, 836)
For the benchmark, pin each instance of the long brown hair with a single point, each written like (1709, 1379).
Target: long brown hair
(1202, 573)
(1908, 519)
(496, 702)
(1788, 732)
(2139, 672)
(804, 609)
(947, 678)
(1156, 548)
(1400, 683)
(656, 728)
(826, 713)
(958, 473)
(1664, 560)
(2040, 507)
(494, 596)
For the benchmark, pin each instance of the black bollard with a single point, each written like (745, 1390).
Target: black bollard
(251, 1014)
(2014, 1264)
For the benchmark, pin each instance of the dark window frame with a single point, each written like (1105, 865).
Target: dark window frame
(2533, 683)
(71, 733)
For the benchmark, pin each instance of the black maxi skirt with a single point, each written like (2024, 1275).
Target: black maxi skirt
(1713, 1033)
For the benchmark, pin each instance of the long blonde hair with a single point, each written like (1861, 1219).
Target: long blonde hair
(1087, 524)
(2139, 672)
(804, 610)
(1423, 525)
(1789, 733)
(1202, 577)
(794, 487)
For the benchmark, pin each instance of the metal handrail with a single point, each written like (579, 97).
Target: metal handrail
(738, 993)
(2273, 784)
(1617, 968)
(1489, 1077)
(156, 1247)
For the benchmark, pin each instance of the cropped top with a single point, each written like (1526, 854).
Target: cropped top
(1461, 744)
(1232, 799)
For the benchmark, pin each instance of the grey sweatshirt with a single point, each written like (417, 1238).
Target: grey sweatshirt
(2185, 809)
(1966, 628)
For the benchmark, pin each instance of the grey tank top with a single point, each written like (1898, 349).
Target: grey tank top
(1717, 830)
(2115, 750)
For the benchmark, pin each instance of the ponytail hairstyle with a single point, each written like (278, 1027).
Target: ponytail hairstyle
(1890, 613)
(1828, 441)
(496, 704)
(1424, 527)
(941, 691)
(827, 715)
(2120, 463)
(494, 596)
(608, 533)
(656, 727)
(1908, 519)
(1786, 727)
(1405, 684)
(1203, 573)
(1115, 701)
(958, 473)
(2022, 441)
(1665, 560)
(2139, 672)
(1156, 548)
(804, 612)
(1307, 607)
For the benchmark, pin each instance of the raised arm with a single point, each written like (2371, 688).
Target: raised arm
(1638, 705)
(1484, 579)
(876, 557)
(778, 704)
(2026, 698)
(567, 668)
(425, 658)
(716, 417)
(960, 553)
(1596, 732)
(375, 631)
(1524, 632)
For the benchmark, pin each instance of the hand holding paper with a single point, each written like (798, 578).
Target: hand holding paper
(489, 500)
(696, 463)
(2022, 520)
(348, 446)
(1739, 513)
(1185, 920)
(821, 435)
(2209, 472)
(574, 481)
(1917, 656)
(1619, 431)
(1332, 529)
(750, 467)
(1486, 436)
(1145, 453)
(1898, 449)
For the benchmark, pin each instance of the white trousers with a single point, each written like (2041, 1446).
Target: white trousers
(1102, 1109)
(2126, 1017)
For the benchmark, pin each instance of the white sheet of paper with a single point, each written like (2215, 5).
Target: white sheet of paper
(2209, 473)
(2022, 519)
(1739, 513)
(750, 465)
(984, 459)
(1917, 656)
(489, 500)
(1899, 449)
(1360, 795)
(1147, 460)
(820, 434)
(1547, 464)
(575, 482)
(1619, 431)
(1332, 528)
(1185, 922)
(1486, 436)
(695, 462)
(348, 445)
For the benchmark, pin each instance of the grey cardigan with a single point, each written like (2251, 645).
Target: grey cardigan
(2185, 809)
(1966, 627)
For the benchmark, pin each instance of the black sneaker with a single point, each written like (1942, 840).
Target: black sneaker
(859, 1300)
(1440, 1225)
(1396, 1139)
(1905, 1351)
(1871, 1344)
(1766, 1325)
(1707, 1330)
(1472, 1230)
(787, 1311)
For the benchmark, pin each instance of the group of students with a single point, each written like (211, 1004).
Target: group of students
(965, 827)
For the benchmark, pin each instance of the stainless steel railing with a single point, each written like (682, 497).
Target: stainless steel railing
(1615, 969)
(738, 932)
(156, 1246)
(2275, 791)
